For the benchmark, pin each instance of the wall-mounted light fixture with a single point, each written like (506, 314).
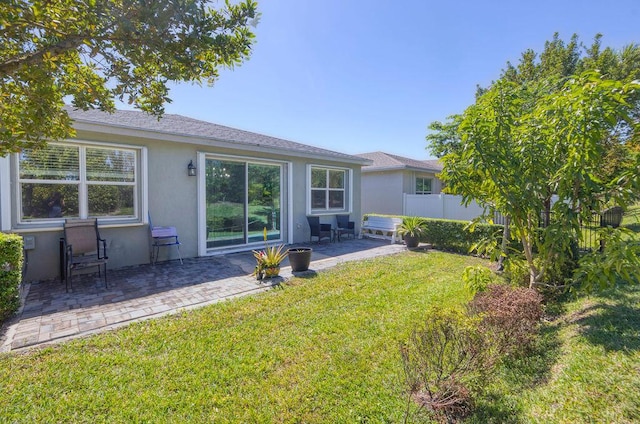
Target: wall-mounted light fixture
(191, 169)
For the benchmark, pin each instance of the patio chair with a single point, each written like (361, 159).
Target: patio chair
(83, 248)
(163, 237)
(345, 226)
(318, 230)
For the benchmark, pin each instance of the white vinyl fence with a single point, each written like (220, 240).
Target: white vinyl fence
(443, 206)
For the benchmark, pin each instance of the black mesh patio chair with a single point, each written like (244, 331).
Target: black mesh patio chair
(345, 226)
(318, 230)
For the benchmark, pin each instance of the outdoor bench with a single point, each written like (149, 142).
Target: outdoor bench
(381, 227)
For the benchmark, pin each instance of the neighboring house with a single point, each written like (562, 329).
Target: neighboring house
(127, 166)
(390, 177)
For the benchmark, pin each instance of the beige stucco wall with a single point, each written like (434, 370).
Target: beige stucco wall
(173, 201)
(382, 192)
(300, 227)
(408, 185)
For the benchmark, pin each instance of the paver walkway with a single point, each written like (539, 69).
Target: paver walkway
(52, 315)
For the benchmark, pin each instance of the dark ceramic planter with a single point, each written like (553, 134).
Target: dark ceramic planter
(411, 242)
(299, 258)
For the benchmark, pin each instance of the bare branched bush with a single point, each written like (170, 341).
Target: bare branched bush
(444, 361)
(511, 315)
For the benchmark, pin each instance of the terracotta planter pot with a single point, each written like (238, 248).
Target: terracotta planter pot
(300, 258)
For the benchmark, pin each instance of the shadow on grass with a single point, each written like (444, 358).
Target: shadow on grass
(614, 326)
(420, 249)
(492, 408)
(515, 375)
(305, 274)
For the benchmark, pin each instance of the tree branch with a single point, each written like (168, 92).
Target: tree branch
(33, 58)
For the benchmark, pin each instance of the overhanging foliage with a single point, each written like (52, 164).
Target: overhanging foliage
(90, 52)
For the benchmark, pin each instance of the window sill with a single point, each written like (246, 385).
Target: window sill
(57, 226)
(329, 212)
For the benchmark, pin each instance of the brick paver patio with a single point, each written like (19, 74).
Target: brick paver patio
(51, 315)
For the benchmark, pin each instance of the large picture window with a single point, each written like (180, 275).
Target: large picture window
(78, 181)
(328, 189)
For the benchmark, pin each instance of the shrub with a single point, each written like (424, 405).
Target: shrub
(619, 259)
(412, 226)
(10, 274)
(444, 361)
(477, 278)
(516, 270)
(455, 236)
(510, 315)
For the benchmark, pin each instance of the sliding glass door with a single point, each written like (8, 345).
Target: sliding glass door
(242, 200)
(263, 202)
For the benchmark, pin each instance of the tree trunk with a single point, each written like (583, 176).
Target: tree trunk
(506, 236)
(547, 212)
(527, 246)
(528, 253)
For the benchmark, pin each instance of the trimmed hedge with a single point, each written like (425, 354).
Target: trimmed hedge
(10, 274)
(453, 236)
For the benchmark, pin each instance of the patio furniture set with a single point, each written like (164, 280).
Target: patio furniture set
(82, 247)
(328, 231)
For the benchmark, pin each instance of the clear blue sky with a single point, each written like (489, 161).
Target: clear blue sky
(365, 75)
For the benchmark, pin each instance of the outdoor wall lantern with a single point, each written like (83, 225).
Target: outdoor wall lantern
(191, 169)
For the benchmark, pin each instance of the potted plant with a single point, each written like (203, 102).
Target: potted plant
(411, 229)
(299, 258)
(268, 260)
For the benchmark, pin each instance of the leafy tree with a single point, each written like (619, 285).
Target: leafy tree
(519, 146)
(561, 123)
(557, 62)
(444, 137)
(94, 51)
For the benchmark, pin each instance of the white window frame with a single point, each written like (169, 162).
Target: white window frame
(5, 193)
(415, 185)
(140, 187)
(347, 190)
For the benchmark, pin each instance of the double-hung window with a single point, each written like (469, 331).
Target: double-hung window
(329, 189)
(423, 185)
(71, 180)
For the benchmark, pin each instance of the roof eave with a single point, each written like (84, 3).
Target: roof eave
(399, 168)
(92, 126)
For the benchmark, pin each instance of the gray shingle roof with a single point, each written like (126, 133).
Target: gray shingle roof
(185, 126)
(387, 161)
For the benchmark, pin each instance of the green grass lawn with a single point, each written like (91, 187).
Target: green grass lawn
(596, 374)
(586, 368)
(325, 350)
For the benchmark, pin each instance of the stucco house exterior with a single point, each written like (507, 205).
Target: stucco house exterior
(128, 166)
(389, 177)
